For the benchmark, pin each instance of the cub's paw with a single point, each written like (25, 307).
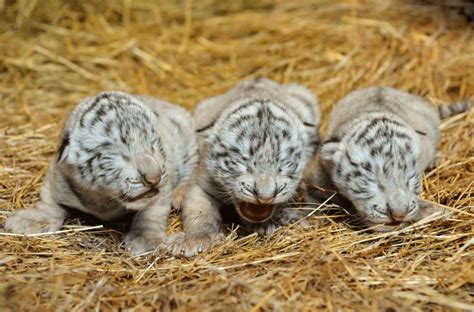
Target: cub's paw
(179, 195)
(191, 244)
(138, 242)
(287, 216)
(428, 208)
(264, 229)
(384, 228)
(282, 217)
(32, 221)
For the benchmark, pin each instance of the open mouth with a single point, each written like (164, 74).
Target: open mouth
(147, 194)
(255, 213)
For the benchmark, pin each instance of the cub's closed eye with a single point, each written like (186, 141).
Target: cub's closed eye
(290, 166)
(247, 188)
(280, 189)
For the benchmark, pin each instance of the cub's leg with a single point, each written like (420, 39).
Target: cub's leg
(47, 216)
(289, 215)
(428, 208)
(148, 229)
(179, 195)
(201, 223)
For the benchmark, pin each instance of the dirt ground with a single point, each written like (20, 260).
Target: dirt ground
(55, 53)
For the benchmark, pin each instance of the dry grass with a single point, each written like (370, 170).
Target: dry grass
(54, 53)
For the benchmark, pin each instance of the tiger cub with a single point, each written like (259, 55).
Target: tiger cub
(119, 153)
(377, 143)
(254, 141)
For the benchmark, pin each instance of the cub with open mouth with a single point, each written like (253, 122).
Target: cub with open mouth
(254, 141)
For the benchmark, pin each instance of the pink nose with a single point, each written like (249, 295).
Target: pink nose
(150, 170)
(151, 180)
(265, 200)
(397, 215)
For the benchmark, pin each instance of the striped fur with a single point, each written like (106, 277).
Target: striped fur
(118, 153)
(449, 110)
(254, 142)
(377, 143)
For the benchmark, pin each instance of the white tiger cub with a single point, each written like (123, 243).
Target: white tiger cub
(377, 143)
(119, 153)
(254, 141)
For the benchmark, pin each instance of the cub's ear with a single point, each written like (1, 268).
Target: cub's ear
(331, 150)
(417, 146)
(205, 128)
(63, 146)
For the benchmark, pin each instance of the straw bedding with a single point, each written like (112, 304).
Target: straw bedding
(54, 53)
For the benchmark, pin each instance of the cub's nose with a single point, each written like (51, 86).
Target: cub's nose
(397, 214)
(262, 200)
(264, 189)
(151, 179)
(150, 170)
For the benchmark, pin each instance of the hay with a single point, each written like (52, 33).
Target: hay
(54, 53)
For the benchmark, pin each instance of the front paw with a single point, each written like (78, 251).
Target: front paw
(179, 196)
(264, 229)
(191, 244)
(287, 216)
(31, 221)
(138, 243)
(428, 208)
(385, 228)
(282, 217)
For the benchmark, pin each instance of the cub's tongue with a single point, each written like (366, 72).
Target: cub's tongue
(256, 213)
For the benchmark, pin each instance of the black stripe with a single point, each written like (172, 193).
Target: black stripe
(63, 145)
(244, 106)
(219, 155)
(239, 121)
(332, 140)
(367, 166)
(92, 106)
(350, 160)
(101, 112)
(206, 127)
(279, 119)
(375, 150)
(104, 145)
(176, 124)
(373, 123)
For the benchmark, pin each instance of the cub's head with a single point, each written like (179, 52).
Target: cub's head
(378, 171)
(257, 151)
(110, 146)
